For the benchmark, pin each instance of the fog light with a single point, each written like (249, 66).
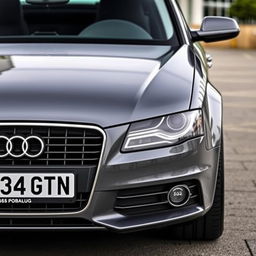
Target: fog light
(179, 195)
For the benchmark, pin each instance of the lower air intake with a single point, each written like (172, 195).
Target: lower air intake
(153, 199)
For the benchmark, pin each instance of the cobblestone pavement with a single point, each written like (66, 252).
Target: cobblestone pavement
(234, 74)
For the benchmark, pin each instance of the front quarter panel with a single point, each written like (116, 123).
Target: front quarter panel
(207, 97)
(214, 116)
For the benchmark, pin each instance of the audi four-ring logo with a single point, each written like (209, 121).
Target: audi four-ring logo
(18, 146)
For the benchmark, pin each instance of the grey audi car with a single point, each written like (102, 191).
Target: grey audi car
(108, 119)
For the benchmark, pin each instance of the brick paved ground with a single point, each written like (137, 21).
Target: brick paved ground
(234, 74)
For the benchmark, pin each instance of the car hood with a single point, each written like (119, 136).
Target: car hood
(94, 89)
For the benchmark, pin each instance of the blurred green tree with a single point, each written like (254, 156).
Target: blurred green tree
(244, 10)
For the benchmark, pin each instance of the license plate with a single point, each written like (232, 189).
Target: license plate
(39, 185)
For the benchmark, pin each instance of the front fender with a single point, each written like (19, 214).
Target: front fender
(205, 96)
(214, 114)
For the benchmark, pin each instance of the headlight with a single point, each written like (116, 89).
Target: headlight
(164, 131)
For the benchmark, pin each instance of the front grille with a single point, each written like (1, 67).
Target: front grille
(64, 146)
(73, 148)
(148, 200)
(44, 222)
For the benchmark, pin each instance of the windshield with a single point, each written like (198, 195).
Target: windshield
(93, 20)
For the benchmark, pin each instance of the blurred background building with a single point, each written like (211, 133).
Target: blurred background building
(195, 10)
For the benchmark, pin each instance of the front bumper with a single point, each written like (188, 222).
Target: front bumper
(188, 161)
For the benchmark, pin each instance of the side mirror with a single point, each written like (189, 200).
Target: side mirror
(215, 29)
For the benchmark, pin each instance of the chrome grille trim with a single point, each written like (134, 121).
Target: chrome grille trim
(63, 125)
(140, 205)
(143, 195)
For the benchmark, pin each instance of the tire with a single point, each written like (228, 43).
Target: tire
(211, 225)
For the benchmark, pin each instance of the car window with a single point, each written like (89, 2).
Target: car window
(105, 20)
(165, 17)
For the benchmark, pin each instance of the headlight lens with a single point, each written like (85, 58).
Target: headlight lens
(164, 131)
